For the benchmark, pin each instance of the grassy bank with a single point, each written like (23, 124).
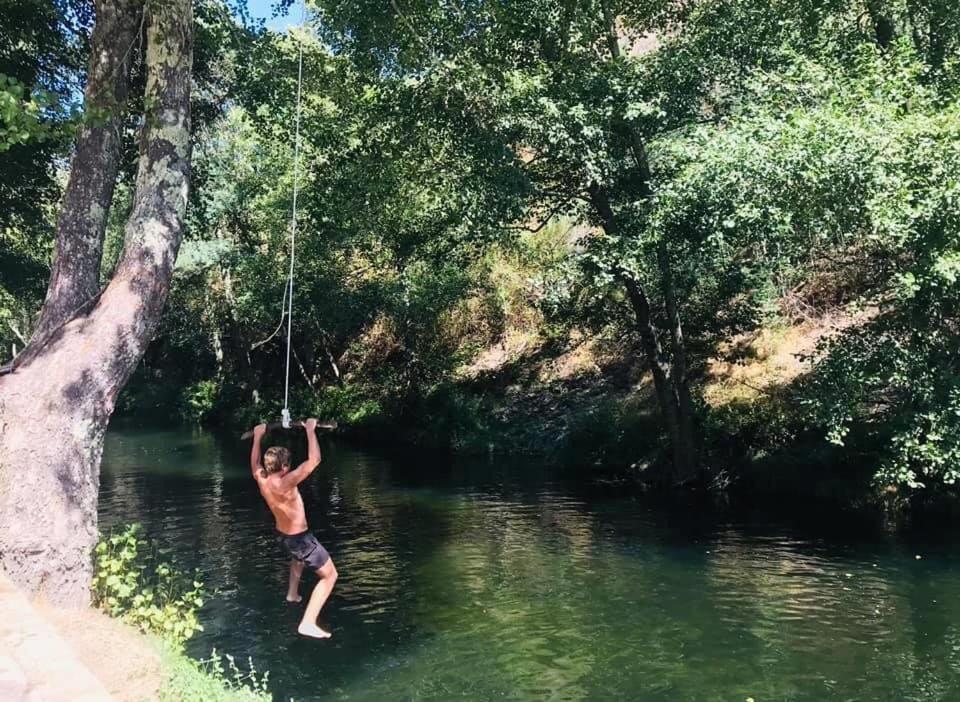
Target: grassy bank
(146, 609)
(142, 666)
(214, 679)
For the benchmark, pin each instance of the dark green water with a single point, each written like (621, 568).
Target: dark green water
(499, 581)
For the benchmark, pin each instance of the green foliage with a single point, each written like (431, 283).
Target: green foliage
(458, 166)
(902, 383)
(212, 681)
(898, 372)
(200, 399)
(754, 429)
(20, 113)
(826, 160)
(41, 58)
(462, 421)
(132, 581)
(355, 404)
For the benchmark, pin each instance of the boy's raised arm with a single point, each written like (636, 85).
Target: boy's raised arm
(256, 467)
(313, 454)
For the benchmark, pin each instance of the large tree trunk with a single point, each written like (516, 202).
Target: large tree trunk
(75, 278)
(883, 27)
(659, 368)
(670, 380)
(942, 21)
(685, 451)
(54, 409)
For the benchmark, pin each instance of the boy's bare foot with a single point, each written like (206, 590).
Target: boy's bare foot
(294, 600)
(313, 630)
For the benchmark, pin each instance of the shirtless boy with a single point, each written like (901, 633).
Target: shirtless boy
(279, 487)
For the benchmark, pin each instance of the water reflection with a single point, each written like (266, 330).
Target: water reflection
(459, 581)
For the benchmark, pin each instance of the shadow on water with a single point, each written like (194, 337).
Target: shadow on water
(486, 579)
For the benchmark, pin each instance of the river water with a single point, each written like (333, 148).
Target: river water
(498, 579)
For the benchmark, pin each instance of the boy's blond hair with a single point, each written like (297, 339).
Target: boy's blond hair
(276, 459)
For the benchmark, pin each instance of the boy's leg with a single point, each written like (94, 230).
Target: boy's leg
(293, 586)
(328, 578)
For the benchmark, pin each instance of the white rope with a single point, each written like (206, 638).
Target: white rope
(293, 220)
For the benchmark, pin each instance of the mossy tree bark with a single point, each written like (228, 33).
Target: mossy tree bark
(75, 278)
(56, 405)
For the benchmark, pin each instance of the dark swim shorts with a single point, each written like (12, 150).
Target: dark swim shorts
(305, 548)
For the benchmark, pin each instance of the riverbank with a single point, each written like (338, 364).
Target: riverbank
(584, 398)
(35, 662)
(138, 666)
(587, 401)
(83, 655)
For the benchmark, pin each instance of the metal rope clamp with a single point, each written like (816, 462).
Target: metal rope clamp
(285, 418)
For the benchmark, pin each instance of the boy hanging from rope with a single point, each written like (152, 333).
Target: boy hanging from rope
(279, 487)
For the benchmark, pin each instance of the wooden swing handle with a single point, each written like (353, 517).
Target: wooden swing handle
(328, 425)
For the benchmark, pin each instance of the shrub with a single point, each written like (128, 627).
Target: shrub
(199, 399)
(352, 403)
(133, 582)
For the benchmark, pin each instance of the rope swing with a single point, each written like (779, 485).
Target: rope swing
(287, 302)
(285, 413)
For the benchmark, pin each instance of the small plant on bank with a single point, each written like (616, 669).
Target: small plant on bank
(134, 583)
(216, 679)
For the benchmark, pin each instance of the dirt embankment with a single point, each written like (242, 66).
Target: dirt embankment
(128, 664)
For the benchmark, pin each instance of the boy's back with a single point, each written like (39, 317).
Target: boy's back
(285, 502)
